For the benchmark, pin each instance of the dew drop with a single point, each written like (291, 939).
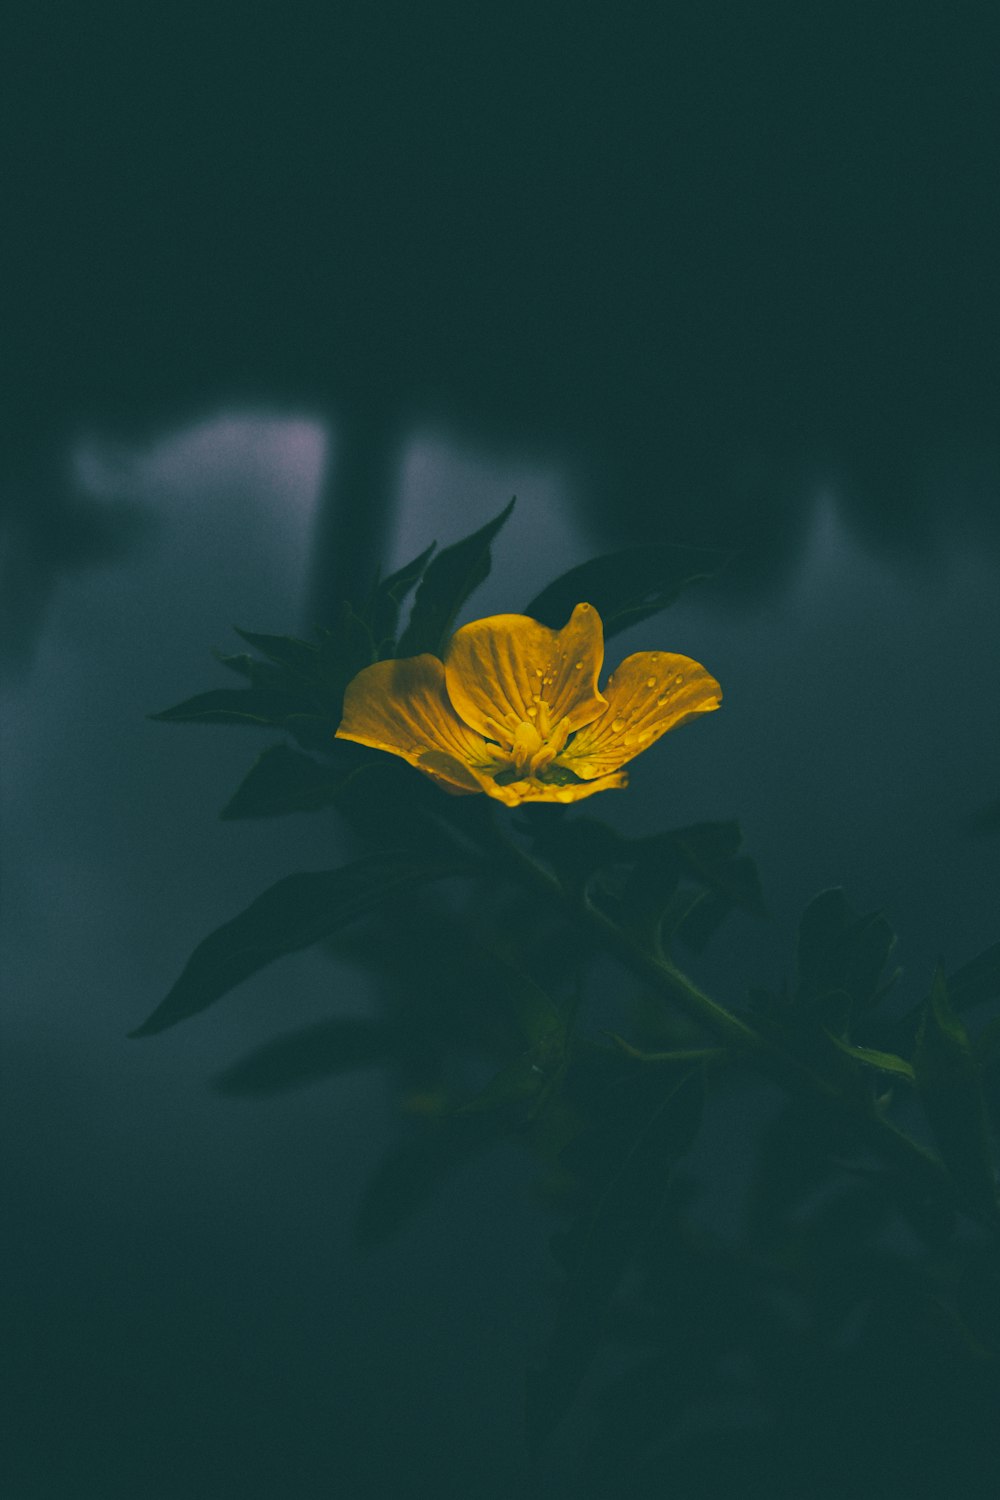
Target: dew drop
(584, 606)
(617, 724)
(539, 672)
(578, 666)
(532, 712)
(678, 680)
(661, 700)
(644, 735)
(654, 656)
(650, 681)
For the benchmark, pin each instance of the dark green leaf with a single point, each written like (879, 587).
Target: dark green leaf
(284, 781)
(297, 657)
(383, 608)
(343, 653)
(977, 981)
(637, 1129)
(519, 1082)
(841, 953)
(449, 580)
(885, 1062)
(950, 1085)
(256, 707)
(316, 1052)
(626, 587)
(297, 912)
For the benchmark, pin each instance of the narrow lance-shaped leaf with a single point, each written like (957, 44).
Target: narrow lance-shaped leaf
(444, 588)
(297, 657)
(309, 1055)
(884, 1062)
(382, 609)
(976, 982)
(297, 912)
(949, 1081)
(283, 780)
(626, 587)
(256, 707)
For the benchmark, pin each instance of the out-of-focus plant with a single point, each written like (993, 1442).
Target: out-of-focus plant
(847, 1342)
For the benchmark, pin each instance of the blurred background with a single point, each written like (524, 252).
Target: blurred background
(288, 290)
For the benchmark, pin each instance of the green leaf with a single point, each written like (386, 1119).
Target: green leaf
(976, 982)
(521, 1080)
(675, 1056)
(885, 1062)
(300, 658)
(382, 609)
(626, 587)
(636, 1129)
(282, 781)
(841, 954)
(949, 1080)
(253, 706)
(444, 588)
(307, 1056)
(343, 653)
(297, 912)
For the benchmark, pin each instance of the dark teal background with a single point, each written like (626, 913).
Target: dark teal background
(282, 288)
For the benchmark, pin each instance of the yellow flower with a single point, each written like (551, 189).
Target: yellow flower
(514, 709)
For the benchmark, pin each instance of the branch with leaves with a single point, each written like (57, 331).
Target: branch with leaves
(484, 903)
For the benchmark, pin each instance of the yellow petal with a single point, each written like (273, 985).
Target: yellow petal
(460, 779)
(508, 670)
(402, 706)
(650, 692)
(531, 790)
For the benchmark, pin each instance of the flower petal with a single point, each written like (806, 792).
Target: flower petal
(459, 778)
(532, 790)
(402, 706)
(508, 670)
(650, 692)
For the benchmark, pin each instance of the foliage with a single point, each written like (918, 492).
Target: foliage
(862, 1296)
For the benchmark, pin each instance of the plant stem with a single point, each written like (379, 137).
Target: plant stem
(740, 1036)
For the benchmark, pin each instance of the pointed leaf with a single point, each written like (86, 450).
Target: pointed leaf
(297, 912)
(383, 607)
(282, 781)
(950, 1085)
(297, 657)
(309, 1055)
(626, 587)
(976, 982)
(444, 588)
(885, 1062)
(841, 952)
(256, 707)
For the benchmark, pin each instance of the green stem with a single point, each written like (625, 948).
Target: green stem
(742, 1038)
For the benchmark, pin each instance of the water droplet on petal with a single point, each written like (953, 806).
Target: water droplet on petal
(661, 700)
(617, 724)
(532, 712)
(584, 606)
(644, 735)
(650, 681)
(678, 680)
(539, 672)
(654, 656)
(578, 666)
